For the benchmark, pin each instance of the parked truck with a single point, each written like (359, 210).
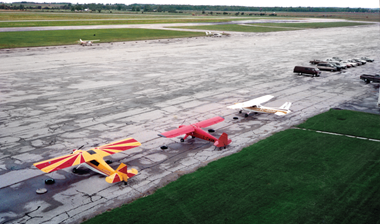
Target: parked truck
(370, 78)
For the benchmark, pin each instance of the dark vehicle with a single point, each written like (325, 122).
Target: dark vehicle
(370, 78)
(367, 59)
(328, 67)
(315, 61)
(307, 70)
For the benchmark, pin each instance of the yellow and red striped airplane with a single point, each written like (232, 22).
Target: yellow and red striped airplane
(93, 159)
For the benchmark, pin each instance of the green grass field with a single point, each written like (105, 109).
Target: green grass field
(294, 176)
(271, 27)
(346, 122)
(65, 37)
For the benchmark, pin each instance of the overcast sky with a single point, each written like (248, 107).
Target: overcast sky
(263, 3)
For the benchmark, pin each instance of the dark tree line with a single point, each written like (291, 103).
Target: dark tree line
(179, 8)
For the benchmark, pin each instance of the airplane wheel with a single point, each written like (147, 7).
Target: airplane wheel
(164, 147)
(74, 170)
(235, 118)
(211, 130)
(125, 183)
(240, 112)
(192, 136)
(49, 181)
(182, 140)
(246, 115)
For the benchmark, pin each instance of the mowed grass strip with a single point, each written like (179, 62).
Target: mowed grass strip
(5, 16)
(294, 176)
(346, 122)
(271, 27)
(65, 37)
(235, 28)
(113, 22)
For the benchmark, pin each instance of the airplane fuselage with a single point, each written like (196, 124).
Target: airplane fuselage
(262, 109)
(95, 164)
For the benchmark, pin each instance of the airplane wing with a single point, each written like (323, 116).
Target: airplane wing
(115, 147)
(209, 122)
(251, 103)
(58, 163)
(62, 162)
(177, 132)
(257, 101)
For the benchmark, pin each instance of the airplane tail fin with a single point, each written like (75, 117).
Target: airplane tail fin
(223, 141)
(121, 174)
(286, 106)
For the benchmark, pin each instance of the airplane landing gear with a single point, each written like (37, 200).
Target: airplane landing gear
(182, 140)
(246, 115)
(193, 137)
(240, 111)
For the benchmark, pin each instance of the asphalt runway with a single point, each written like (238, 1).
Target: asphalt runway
(55, 99)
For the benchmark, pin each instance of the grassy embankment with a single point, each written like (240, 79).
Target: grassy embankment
(346, 122)
(294, 176)
(65, 37)
(270, 27)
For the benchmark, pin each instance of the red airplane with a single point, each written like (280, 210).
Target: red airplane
(195, 130)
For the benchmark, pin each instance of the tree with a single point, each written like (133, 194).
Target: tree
(147, 8)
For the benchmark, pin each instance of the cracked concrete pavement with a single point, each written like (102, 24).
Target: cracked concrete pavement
(55, 99)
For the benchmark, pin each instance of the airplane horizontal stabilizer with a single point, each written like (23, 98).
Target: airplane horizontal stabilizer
(123, 169)
(280, 113)
(114, 178)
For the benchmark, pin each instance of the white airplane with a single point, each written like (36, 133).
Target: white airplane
(209, 33)
(255, 106)
(86, 42)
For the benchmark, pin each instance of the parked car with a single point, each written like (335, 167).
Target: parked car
(355, 62)
(348, 64)
(367, 59)
(328, 67)
(359, 60)
(307, 70)
(316, 61)
(370, 78)
(331, 60)
(337, 59)
(339, 65)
